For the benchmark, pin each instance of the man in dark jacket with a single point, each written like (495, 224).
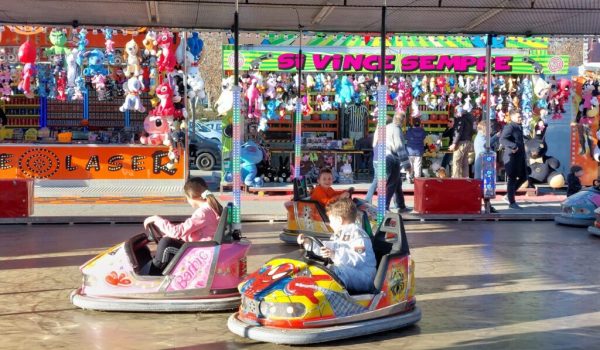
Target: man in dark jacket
(462, 143)
(513, 157)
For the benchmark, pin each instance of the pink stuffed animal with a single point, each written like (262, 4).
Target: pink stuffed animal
(252, 95)
(157, 128)
(165, 108)
(5, 80)
(440, 85)
(166, 58)
(61, 86)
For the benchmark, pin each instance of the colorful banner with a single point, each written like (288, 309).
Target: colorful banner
(370, 63)
(583, 140)
(72, 162)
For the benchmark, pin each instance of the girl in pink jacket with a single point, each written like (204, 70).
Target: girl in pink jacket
(201, 226)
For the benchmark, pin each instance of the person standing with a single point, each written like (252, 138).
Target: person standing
(513, 157)
(449, 134)
(415, 145)
(461, 143)
(396, 158)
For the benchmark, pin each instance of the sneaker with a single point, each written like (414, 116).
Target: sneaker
(404, 210)
(505, 199)
(493, 210)
(515, 206)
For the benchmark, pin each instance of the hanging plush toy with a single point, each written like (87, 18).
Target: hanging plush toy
(61, 86)
(526, 104)
(196, 84)
(225, 102)
(27, 57)
(133, 88)
(132, 60)
(164, 92)
(99, 82)
(195, 45)
(5, 81)
(72, 71)
(95, 63)
(166, 59)
(252, 95)
(109, 45)
(560, 97)
(59, 41)
(150, 43)
(541, 90)
(157, 128)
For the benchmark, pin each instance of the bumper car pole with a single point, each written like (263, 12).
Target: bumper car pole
(237, 136)
(380, 168)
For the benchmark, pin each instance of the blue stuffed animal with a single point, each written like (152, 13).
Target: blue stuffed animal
(416, 87)
(95, 63)
(251, 154)
(195, 45)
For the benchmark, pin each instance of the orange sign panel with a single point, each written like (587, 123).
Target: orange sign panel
(583, 139)
(73, 162)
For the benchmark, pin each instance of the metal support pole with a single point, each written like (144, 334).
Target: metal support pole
(186, 163)
(380, 167)
(237, 134)
(298, 121)
(488, 160)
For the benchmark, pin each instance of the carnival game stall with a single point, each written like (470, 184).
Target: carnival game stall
(95, 103)
(426, 76)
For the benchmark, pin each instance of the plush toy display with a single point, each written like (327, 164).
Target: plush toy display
(59, 41)
(131, 59)
(225, 102)
(158, 129)
(251, 154)
(5, 82)
(27, 54)
(95, 63)
(195, 45)
(150, 43)
(133, 88)
(560, 96)
(542, 168)
(109, 45)
(166, 58)
(164, 92)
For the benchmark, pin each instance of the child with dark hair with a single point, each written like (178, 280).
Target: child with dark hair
(573, 182)
(201, 226)
(323, 193)
(350, 248)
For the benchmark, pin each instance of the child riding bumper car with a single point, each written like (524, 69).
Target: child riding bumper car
(202, 276)
(308, 217)
(578, 209)
(302, 301)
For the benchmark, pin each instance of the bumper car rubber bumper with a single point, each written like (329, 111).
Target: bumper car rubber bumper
(570, 221)
(153, 305)
(594, 230)
(322, 334)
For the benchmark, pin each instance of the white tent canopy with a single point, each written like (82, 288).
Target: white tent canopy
(529, 17)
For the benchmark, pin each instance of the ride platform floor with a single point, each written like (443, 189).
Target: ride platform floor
(502, 285)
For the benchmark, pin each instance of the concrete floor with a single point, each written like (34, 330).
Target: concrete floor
(481, 285)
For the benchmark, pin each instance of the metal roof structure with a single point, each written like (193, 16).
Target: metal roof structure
(522, 17)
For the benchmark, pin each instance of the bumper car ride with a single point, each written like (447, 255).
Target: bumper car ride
(202, 276)
(594, 228)
(308, 217)
(301, 301)
(578, 209)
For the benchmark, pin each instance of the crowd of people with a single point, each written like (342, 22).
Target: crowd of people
(404, 153)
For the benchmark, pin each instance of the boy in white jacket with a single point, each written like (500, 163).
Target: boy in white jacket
(350, 248)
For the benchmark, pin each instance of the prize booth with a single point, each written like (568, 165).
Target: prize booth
(85, 105)
(426, 76)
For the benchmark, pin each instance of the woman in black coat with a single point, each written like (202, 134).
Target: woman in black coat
(513, 157)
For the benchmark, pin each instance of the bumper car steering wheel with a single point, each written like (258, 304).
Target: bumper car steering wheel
(312, 244)
(153, 233)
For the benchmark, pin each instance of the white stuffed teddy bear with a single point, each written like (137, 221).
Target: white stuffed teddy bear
(131, 58)
(225, 102)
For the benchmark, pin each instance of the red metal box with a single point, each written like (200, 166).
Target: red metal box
(16, 199)
(447, 196)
